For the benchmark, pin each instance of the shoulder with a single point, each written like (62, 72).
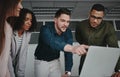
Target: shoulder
(48, 26)
(28, 33)
(108, 24)
(8, 28)
(81, 24)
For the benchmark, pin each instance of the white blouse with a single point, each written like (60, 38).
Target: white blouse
(6, 52)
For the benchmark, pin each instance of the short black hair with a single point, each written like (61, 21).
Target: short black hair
(62, 11)
(98, 7)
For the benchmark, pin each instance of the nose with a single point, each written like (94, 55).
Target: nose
(95, 20)
(20, 6)
(30, 23)
(66, 24)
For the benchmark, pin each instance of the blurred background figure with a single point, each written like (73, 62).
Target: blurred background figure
(8, 8)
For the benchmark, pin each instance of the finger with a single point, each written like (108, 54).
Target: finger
(85, 46)
(82, 51)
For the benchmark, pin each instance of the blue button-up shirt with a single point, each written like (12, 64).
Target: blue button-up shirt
(50, 44)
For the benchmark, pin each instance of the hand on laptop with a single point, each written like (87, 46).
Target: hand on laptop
(80, 49)
(117, 74)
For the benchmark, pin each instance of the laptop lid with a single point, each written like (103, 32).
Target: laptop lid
(100, 61)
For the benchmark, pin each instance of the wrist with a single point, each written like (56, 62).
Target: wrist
(68, 73)
(118, 70)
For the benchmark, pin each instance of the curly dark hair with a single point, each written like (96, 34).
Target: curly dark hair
(21, 19)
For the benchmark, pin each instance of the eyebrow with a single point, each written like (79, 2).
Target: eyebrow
(96, 17)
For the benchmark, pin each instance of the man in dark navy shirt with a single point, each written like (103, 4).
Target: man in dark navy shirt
(53, 38)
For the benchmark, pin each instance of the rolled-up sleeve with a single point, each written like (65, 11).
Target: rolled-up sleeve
(69, 55)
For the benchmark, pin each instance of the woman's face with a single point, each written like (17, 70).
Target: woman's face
(18, 8)
(27, 22)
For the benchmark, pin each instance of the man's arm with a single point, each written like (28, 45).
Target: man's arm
(111, 37)
(117, 69)
(79, 49)
(68, 62)
(68, 55)
(54, 43)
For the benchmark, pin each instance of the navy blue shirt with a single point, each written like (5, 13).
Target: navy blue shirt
(50, 44)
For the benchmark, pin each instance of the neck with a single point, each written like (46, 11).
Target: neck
(57, 30)
(20, 32)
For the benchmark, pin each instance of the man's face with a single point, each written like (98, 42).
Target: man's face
(62, 23)
(96, 18)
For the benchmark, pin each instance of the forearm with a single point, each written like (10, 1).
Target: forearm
(79, 49)
(68, 48)
(68, 61)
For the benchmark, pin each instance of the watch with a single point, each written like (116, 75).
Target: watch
(68, 73)
(118, 70)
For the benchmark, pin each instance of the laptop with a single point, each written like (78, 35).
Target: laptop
(100, 61)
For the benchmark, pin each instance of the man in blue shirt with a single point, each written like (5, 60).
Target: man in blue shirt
(53, 38)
